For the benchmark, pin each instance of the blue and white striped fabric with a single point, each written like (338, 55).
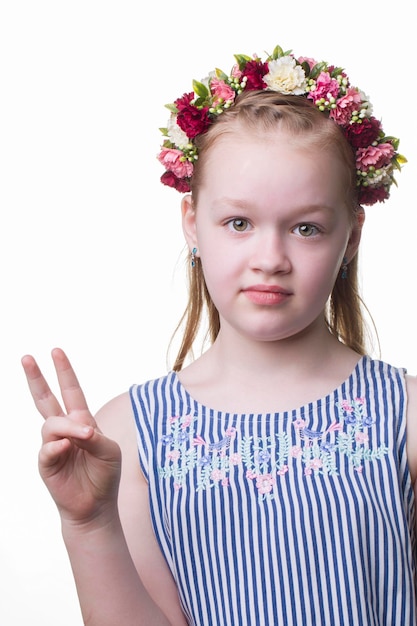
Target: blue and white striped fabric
(297, 518)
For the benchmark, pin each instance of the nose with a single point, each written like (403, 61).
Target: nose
(269, 253)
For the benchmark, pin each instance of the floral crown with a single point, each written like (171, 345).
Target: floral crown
(327, 86)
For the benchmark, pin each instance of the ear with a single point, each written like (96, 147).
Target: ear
(355, 236)
(188, 221)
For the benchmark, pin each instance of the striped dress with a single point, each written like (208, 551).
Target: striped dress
(303, 517)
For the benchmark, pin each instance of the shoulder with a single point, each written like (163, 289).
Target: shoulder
(115, 416)
(412, 425)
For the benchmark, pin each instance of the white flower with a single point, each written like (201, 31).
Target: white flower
(286, 76)
(175, 134)
(366, 106)
(383, 176)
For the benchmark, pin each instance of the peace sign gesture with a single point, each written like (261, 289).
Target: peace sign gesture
(79, 465)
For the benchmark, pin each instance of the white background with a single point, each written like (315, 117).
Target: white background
(90, 242)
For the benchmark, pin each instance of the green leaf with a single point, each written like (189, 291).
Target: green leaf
(277, 53)
(398, 161)
(221, 75)
(317, 69)
(241, 60)
(171, 107)
(200, 89)
(306, 68)
(199, 102)
(336, 71)
(392, 140)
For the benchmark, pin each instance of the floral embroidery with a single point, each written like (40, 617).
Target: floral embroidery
(266, 460)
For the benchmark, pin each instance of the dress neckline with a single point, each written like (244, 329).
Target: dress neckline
(321, 401)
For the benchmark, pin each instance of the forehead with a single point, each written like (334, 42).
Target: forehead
(277, 167)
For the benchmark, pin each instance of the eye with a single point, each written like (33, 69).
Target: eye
(238, 224)
(306, 230)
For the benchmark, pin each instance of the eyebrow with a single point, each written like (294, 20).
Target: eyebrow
(232, 202)
(242, 204)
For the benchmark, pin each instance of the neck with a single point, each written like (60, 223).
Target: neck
(242, 375)
(315, 345)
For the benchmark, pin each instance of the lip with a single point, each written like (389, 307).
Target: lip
(268, 295)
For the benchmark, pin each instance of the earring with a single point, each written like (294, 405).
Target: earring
(344, 267)
(193, 253)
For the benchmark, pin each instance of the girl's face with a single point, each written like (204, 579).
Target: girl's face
(271, 228)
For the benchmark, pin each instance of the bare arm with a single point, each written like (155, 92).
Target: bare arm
(82, 469)
(116, 419)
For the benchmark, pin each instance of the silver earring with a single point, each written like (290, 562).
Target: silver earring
(193, 253)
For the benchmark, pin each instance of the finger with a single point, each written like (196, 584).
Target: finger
(59, 436)
(63, 427)
(44, 399)
(83, 436)
(72, 394)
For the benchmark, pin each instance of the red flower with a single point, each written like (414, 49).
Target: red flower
(254, 72)
(370, 195)
(184, 101)
(362, 135)
(192, 120)
(180, 184)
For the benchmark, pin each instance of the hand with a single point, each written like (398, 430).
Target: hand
(79, 465)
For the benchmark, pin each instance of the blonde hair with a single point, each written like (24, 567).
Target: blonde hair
(263, 111)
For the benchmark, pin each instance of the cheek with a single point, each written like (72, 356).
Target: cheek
(321, 273)
(220, 273)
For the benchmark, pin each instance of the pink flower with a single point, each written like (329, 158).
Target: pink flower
(283, 470)
(345, 106)
(361, 438)
(251, 475)
(236, 72)
(378, 156)
(346, 406)
(225, 482)
(326, 87)
(265, 482)
(174, 455)
(310, 62)
(173, 161)
(295, 451)
(316, 463)
(217, 474)
(235, 459)
(221, 91)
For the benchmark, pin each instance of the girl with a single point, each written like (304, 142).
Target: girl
(274, 480)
